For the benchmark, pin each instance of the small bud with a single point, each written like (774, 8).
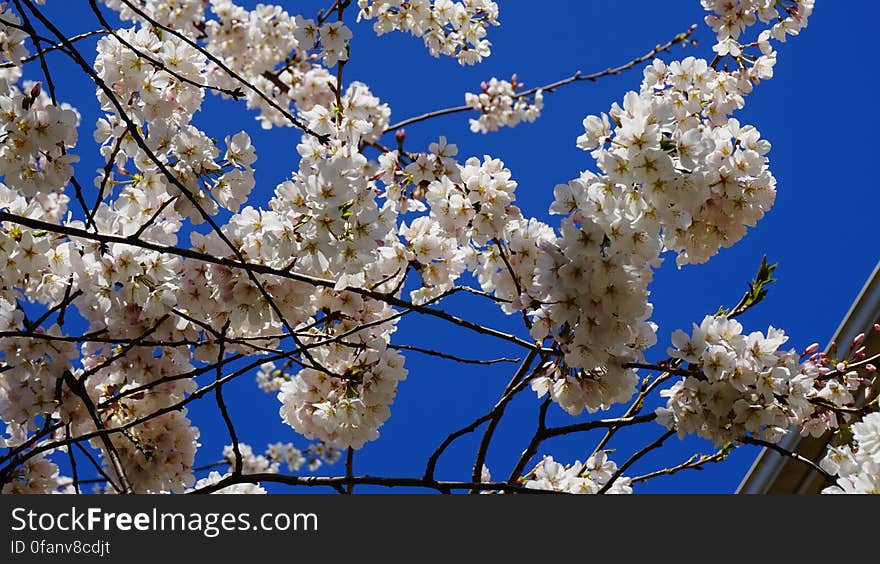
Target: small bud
(877, 327)
(810, 350)
(36, 89)
(858, 339)
(841, 366)
(870, 368)
(400, 135)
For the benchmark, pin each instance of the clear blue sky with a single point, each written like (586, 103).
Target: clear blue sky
(821, 231)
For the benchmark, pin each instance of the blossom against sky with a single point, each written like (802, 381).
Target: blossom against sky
(817, 230)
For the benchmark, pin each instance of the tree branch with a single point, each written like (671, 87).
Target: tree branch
(576, 77)
(388, 482)
(788, 454)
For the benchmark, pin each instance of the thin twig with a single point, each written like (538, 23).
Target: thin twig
(79, 389)
(498, 412)
(534, 443)
(447, 356)
(73, 467)
(221, 403)
(97, 465)
(634, 458)
(695, 462)
(576, 77)
(788, 454)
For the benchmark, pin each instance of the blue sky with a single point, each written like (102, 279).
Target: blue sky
(815, 112)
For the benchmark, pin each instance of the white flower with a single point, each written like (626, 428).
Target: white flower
(588, 478)
(450, 28)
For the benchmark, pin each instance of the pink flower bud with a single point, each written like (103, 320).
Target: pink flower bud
(877, 327)
(36, 89)
(810, 350)
(400, 135)
(858, 340)
(870, 368)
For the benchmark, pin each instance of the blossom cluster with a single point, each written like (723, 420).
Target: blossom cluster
(746, 384)
(36, 137)
(464, 216)
(698, 176)
(269, 462)
(277, 54)
(743, 385)
(456, 29)
(158, 454)
(266, 55)
(183, 15)
(729, 19)
(12, 47)
(579, 478)
(261, 46)
(856, 466)
(500, 105)
(677, 173)
(346, 407)
(275, 455)
(591, 297)
(39, 475)
(360, 117)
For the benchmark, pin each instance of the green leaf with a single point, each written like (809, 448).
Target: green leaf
(727, 449)
(721, 311)
(757, 287)
(757, 290)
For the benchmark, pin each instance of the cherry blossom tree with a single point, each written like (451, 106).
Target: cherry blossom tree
(178, 273)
